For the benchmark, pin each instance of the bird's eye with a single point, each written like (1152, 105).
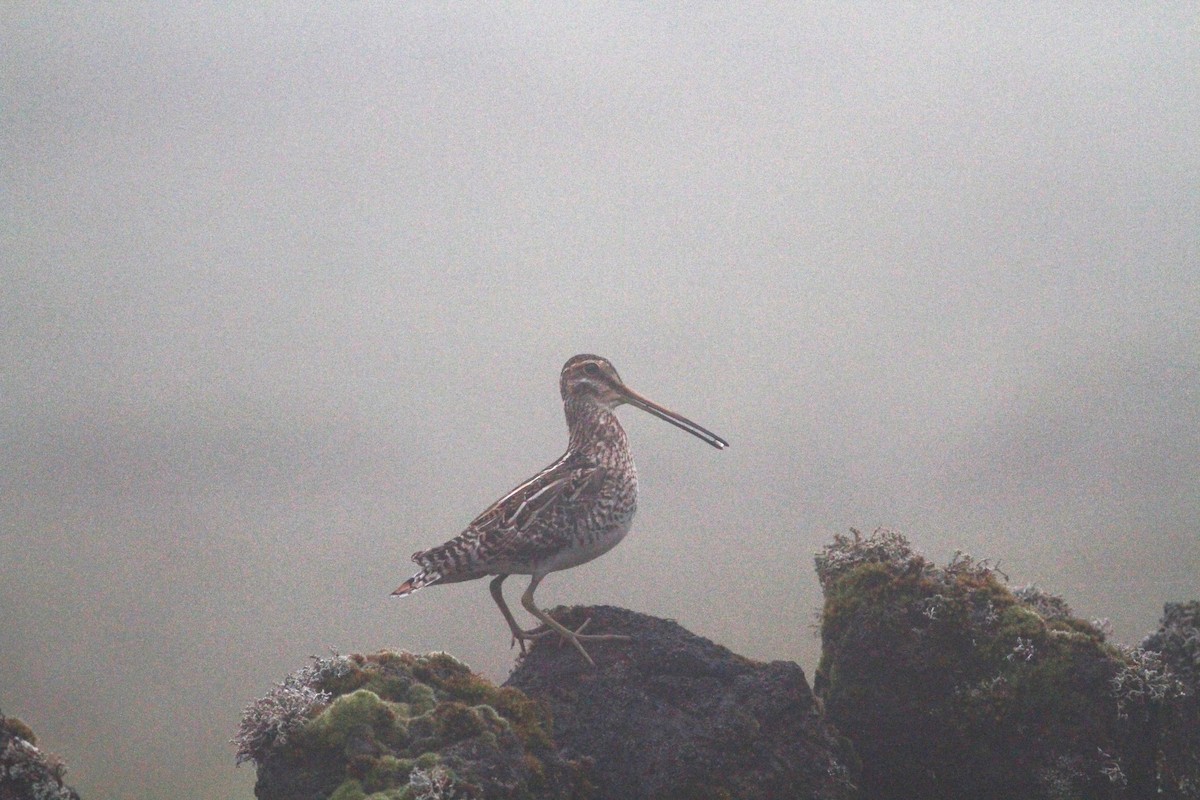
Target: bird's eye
(591, 369)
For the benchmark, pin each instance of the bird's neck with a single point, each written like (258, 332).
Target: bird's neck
(594, 429)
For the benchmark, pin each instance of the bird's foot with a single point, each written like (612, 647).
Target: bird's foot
(520, 637)
(543, 630)
(578, 634)
(577, 637)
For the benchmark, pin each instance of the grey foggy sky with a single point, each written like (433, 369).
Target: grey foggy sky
(286, 292)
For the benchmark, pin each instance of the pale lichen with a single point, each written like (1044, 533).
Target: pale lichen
(1142, 682)
(1046, 604)
(271, 719)
(845, 553)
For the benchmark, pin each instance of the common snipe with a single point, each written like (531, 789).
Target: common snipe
(572, 511)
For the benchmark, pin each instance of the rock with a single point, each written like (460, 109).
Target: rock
(1178, 640)
(1177, 644)
(672, 715)
(400, 726)
(950, 685)
(666, 715)
(943, 682)
(25, 770)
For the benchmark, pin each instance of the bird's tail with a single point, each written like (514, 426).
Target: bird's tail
(419, 581)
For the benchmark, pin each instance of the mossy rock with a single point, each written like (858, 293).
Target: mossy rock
(398, 725)
(25, 770)
(951, 686)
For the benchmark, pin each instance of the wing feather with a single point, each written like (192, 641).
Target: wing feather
(518, 526)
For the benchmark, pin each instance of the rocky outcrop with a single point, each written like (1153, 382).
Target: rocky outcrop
(666, 715)
(950, 685)
(944, 682)
(672, 715)
(27, 771)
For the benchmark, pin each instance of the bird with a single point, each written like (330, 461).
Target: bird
(576, 509)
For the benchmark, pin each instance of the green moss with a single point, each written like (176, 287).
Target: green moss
(447, 674)
(455, 721)
(530, 720)
(696, 791)
(398, 793)
(1073, 625)
(387, 659)
(421, 698)
(16, 727)
(389, 687)
(440, 674)
(491, 718)
(942, 672)
(352, 678)
(399, 712)
(387, 772)
(536, 770)
(858, 593)
(349, 790)
(1017, 620)
(353, 790)
(358, 714)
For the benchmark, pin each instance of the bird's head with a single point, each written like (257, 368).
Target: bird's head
(594, 378)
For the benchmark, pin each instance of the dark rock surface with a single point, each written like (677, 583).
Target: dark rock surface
(672, 715)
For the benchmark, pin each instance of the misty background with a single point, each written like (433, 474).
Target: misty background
(286, 292)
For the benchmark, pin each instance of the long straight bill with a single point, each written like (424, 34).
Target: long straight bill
(675, 419)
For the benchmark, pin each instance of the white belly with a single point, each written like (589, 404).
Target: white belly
(581, 554)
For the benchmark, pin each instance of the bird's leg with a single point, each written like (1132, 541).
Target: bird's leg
(518, 635)
(566, 633)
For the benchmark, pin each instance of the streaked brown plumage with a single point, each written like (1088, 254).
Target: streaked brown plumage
(574, 510)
